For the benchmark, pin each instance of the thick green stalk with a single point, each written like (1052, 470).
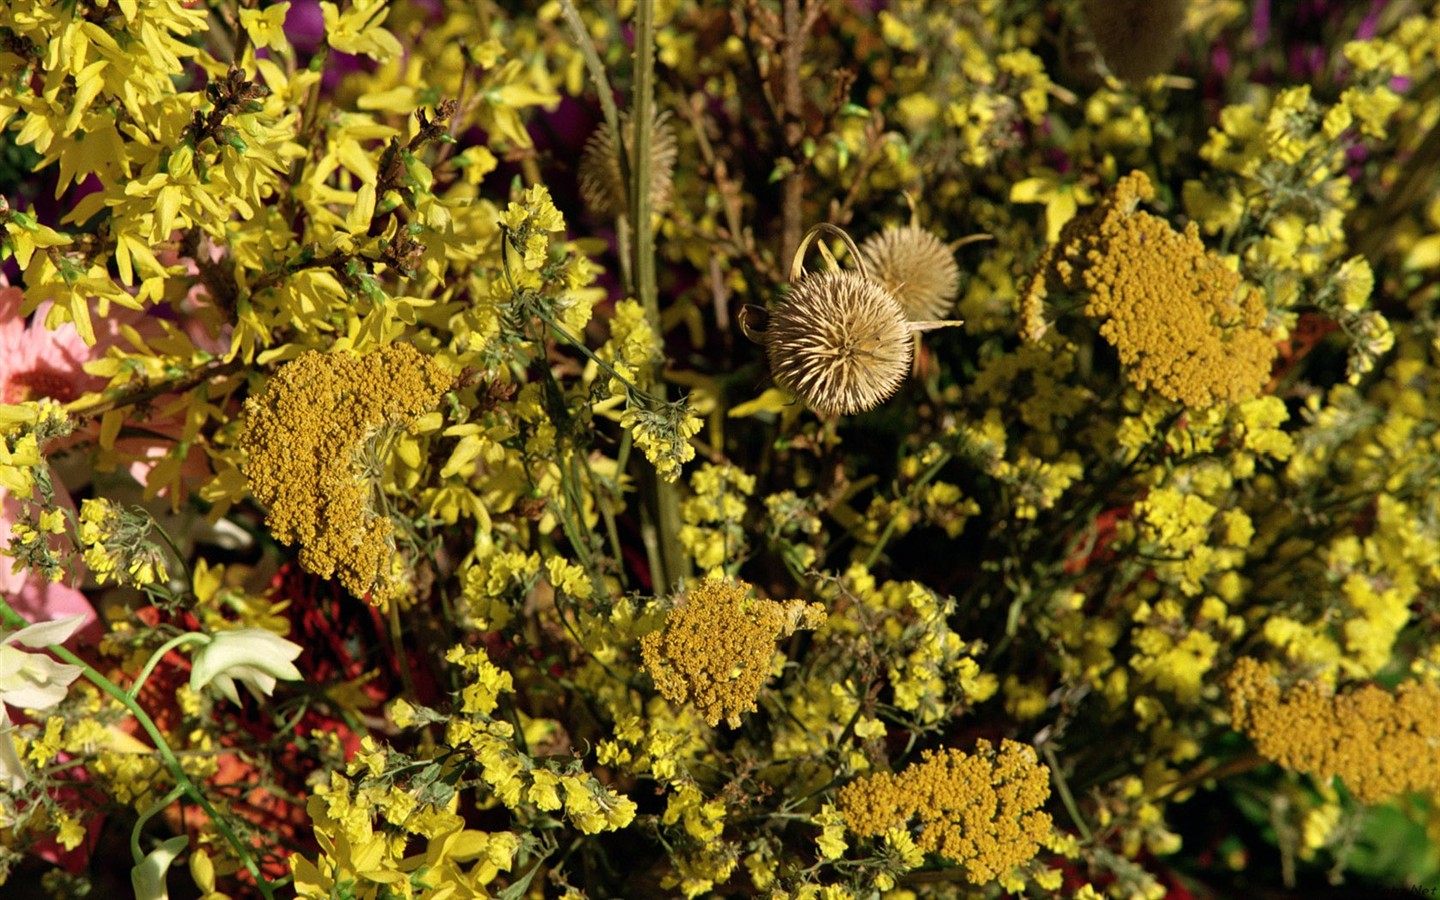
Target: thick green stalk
(664, 502)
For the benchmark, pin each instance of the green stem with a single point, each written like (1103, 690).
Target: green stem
(567, 512)
(890, 526)
(162, 747)
(1063, 789)
(603, 495)
(190, 637)
(597, 75)
(664, 501)
(135, 853)
(13, 619)
(641, 199)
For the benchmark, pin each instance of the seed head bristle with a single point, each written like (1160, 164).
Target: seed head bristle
(840, 341)
(1138, 38)
(917, 268)
(603, 188)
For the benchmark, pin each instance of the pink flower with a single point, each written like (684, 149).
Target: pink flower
(36, 363)
(33, 596)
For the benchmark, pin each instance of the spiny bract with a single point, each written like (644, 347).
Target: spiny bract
(840, 341)
(918, 269)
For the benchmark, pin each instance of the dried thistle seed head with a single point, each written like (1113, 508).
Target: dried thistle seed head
(1138, 38)
(917, 268)
(603, 187)
(840, 341)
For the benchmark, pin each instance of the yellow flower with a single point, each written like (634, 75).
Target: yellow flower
(980, 810)
(716, 646)
(1379, 743)
(357, 30)
(267, 27)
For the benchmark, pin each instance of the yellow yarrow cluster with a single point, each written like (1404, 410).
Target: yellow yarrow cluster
(1182, 322)
(306, 438)
(981, 810)
(1379, 743)
(716, 647)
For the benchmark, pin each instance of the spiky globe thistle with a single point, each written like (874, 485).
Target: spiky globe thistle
(918, 269)
(602, 186)
(840, 341)
(1138, 38)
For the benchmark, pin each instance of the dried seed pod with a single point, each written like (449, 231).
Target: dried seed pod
(1138, 38)
(840, 340)
(602, 186)
(916, 267)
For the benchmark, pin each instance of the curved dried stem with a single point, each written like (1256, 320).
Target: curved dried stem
(969, 239)
(754, 332)
(797, 263)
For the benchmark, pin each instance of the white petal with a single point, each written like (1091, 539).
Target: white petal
(12, 771)
(252, 655)
(12, 663)
(148, 878)
(226, 686)
(43, 634)
(41, 684)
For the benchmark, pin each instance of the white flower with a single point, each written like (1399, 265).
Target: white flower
(148, 878)
(31, 681)
(254, 656)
